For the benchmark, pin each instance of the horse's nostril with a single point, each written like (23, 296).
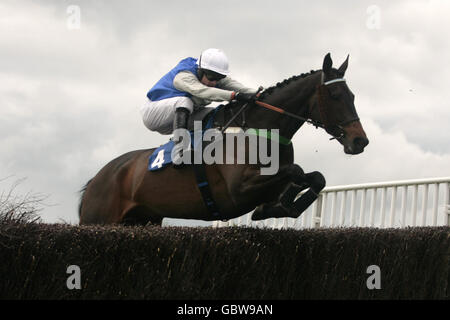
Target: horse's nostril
(361, 142)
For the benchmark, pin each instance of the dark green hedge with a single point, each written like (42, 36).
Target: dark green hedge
(229, 263)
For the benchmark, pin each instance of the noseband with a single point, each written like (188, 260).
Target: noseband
(334, 129)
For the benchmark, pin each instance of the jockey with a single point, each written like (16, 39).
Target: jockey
(189, 86)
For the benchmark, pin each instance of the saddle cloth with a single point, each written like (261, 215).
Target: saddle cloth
(162, 156)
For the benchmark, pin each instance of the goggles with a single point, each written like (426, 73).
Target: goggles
(213, 76)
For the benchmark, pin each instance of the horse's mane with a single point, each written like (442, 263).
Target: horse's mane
(285, 82)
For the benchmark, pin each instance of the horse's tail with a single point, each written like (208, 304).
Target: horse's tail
(82, 191)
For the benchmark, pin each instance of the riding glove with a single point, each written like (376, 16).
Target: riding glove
(245, 97)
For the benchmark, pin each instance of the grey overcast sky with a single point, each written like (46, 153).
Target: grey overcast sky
(70, 97)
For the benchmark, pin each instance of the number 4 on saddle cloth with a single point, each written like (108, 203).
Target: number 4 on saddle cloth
(161, 157)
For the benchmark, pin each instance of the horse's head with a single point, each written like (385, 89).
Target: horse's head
(333, 106)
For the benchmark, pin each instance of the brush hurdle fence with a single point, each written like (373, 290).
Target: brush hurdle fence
(393, 204)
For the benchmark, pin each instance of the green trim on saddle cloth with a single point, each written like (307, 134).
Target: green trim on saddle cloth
(268, 134)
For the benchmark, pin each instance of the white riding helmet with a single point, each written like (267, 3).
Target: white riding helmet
(214, 60)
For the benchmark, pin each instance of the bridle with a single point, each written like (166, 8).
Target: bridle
(336, 129)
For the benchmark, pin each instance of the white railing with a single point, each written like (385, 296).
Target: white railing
(395, 204)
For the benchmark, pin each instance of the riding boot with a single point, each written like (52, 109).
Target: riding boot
(180, 122)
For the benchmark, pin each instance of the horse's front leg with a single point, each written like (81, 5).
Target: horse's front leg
(254, 182)
(286, 206)
(249, 188)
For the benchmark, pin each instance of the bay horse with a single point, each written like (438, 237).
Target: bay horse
(125, 191)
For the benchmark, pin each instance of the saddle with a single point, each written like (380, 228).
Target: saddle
(199, 116)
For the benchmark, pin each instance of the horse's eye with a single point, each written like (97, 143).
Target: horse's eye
(335, 94)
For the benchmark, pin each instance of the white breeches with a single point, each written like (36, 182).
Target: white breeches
(159, 115)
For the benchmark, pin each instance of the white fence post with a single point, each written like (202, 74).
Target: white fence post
(403, 205)
(447, 204)
(324, 211)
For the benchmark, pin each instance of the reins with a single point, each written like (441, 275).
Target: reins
(225, 127)
(289, 114)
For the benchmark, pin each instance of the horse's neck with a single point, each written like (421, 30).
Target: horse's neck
(294, 97)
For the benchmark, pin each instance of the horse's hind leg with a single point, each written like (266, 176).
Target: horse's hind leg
(286, 206)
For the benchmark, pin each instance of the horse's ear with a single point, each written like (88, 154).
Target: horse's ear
(344, 66)
(327, 63)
